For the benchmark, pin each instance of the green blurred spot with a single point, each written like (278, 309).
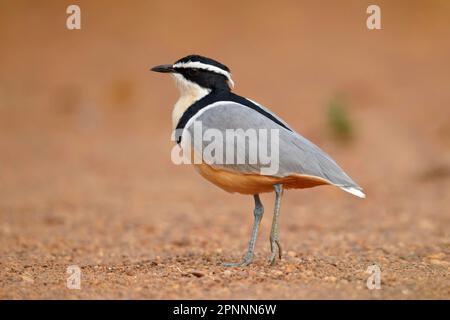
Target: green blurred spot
(338, 119)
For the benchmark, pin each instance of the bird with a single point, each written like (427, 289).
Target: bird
(205, 96)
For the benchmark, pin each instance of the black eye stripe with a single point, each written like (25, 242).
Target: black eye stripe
(189, 70)
(204, 78)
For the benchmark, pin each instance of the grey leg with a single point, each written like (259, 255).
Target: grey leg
(274, 243)
(258, 213)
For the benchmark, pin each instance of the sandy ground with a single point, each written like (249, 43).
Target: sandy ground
(86, 177)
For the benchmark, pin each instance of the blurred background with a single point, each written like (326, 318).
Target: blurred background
(85, 170)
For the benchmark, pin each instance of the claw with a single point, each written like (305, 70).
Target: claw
(272, 259)
(273, 250)
(280, 250)
(236, 264)
(245, 262)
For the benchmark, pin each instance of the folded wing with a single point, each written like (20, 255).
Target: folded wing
(296, 155)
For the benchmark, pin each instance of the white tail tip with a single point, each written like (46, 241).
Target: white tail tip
(354, 191)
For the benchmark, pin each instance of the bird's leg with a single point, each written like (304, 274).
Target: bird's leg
(274, 242)
(258, 213)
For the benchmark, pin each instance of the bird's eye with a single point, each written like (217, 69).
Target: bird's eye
(193, 72)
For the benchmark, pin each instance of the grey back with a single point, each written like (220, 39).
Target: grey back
(297, 155)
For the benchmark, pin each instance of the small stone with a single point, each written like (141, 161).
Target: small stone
(309, 273)
(198, 274)
(436, 256)
(27, 278)
(290, 268)
(227, 273)
(276, 272)
(330, 279)
(439, 262)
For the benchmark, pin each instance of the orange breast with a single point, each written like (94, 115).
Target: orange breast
(254, 183)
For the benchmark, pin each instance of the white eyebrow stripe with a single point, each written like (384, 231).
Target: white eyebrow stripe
(204, 66)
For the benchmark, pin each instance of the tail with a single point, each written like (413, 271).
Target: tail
(355, 191)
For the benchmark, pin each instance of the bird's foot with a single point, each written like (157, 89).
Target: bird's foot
(274, 246)
(248, 258)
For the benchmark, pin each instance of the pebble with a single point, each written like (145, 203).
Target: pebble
(436, 256)
(439, 262)
(27, 278)
(276, 272)
(227, 273)
(198, 274)
(290, 268)
(309, 273)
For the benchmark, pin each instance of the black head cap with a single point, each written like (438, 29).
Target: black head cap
(206, 72)
(204, 60)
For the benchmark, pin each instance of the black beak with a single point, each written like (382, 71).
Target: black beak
(164, 68)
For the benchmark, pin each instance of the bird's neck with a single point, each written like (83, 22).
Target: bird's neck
(189, 93)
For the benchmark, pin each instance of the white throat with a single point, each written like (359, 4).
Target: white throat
(189, 93)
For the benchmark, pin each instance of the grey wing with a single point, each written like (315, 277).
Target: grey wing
(288, 154)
